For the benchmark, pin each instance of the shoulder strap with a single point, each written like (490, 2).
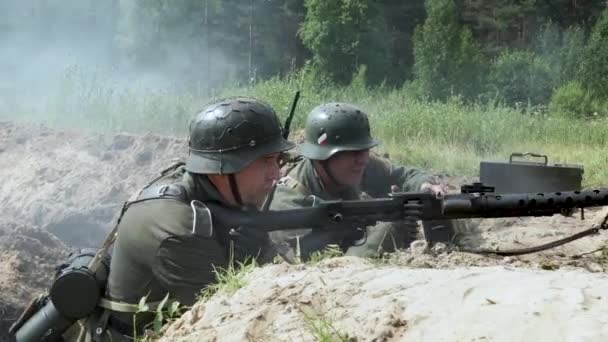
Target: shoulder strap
(168, 191)
(293, 183)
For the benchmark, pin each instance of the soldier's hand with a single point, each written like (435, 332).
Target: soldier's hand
(436, 189)
(248, 243)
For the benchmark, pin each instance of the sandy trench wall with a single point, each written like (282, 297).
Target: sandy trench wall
(61, 190)
(71, 183)
(363, 301)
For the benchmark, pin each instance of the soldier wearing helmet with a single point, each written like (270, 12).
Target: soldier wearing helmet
(337, 164)
(166, 242)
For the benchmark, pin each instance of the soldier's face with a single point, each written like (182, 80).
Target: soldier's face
(348, 167)
(257, 179)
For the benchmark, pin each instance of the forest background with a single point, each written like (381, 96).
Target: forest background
(447, 83)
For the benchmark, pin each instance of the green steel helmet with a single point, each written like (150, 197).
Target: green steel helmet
(335, 127)
(228, 135)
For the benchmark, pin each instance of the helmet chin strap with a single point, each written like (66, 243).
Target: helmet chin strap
(325, 165)
(234, 188)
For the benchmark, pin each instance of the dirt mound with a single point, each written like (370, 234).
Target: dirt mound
(422, 294)
(28, 257)
(62, 189)
(515, 233)
(425, 294)
(349, 299)
(73, 183)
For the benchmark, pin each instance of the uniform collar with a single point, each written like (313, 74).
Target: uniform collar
(199, 187)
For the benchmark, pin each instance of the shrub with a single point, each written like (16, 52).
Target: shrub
(572, 100)
(521, 77)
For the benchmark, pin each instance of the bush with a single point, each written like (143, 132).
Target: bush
(521, 77)
(344, 34)
(571, 100)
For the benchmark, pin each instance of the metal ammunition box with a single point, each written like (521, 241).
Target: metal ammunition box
(515, 176)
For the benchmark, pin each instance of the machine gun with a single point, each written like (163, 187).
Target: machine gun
(474, 201)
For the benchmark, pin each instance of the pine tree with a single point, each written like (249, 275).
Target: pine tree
(595, 62)
(569, 13)
(343, 35)
(401, 19)
(447, 59)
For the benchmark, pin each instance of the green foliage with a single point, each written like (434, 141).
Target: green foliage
(321, 327)
(331, 251)
(548, 46)
(447, 59)
(498, 24)
(571, 54)
(229, 279)
(595, 63)
(548, 41)
(572, 100)
(451, 136)
(343, 35)
(522, 77)
(563, 51)
(402, 18)
(213, 42)
(569, 13)
(166, 311)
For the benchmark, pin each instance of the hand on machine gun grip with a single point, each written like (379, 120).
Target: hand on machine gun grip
(438, 190)
(412, 213)
(248, 243)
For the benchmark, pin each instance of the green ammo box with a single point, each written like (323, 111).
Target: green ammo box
(518, 176)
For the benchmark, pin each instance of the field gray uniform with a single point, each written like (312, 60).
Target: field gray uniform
(332, 128)
(166, 242)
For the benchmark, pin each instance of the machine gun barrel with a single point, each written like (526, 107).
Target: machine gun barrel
(525, 204)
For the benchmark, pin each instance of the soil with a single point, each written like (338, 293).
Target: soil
(61, 191)
(71, 183)
(28, 257)
(351, 299)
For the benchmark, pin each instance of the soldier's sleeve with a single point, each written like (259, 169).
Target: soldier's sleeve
(179, 251)
(287, 196)
(380, 174)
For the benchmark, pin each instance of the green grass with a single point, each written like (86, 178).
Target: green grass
(229, 279)
(321, 327)
(331, 251)
(447, 137)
